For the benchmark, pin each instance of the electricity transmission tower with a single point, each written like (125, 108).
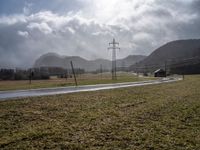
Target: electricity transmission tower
(113, 46)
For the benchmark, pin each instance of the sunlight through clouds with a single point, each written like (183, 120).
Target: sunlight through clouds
(61, 26)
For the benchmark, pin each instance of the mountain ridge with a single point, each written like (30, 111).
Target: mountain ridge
(172, 51)
(56, 60)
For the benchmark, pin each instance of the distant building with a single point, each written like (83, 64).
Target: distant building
(160, 73)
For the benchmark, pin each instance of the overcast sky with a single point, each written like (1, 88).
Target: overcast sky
(30, 28)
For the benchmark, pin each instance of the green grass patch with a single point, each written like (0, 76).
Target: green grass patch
(165, 116)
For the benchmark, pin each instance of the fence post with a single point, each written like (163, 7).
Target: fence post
(74, 73)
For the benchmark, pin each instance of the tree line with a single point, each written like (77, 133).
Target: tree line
(41, 73)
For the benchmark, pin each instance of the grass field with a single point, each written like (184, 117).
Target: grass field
(86, 79)
(165, 116)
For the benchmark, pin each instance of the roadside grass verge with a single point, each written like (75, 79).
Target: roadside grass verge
(165, 116)
(87, 79)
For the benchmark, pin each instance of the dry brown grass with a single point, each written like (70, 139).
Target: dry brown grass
(82, 80)
(163, 116)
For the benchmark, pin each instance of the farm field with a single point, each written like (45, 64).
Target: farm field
(165, 116)
(85, 79)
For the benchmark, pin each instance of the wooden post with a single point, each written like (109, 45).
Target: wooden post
(66, 74)
(165, 68)
(30, 76)
(74, 73)
(101, 70)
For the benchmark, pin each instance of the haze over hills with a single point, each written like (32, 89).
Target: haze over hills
(55, 60)
(130, 60)
(172, 51)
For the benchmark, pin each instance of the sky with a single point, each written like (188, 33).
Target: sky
(31, 28)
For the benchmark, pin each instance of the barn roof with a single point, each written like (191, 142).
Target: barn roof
(159, 70)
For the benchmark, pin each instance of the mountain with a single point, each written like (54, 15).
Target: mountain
(130, 60)
(172, 52)
(55, 60)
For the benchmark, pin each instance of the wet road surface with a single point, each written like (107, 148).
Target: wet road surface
(7, 95)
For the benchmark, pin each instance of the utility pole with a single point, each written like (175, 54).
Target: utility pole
(66, 74)
(31, 74)
(74, 73)
(101, 70)
(166, 68)
(137, 71)
(113, 46)
(183, 74)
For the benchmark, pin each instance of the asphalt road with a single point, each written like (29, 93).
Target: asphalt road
(8, 95)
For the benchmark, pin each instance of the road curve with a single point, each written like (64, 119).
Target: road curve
(8, 95)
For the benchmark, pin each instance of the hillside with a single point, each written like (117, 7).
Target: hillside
(175, 51)
(55, 60)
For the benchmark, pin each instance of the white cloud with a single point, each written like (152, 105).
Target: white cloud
(23, 33)
(10, 20)
(71, 30)
(43, 27)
